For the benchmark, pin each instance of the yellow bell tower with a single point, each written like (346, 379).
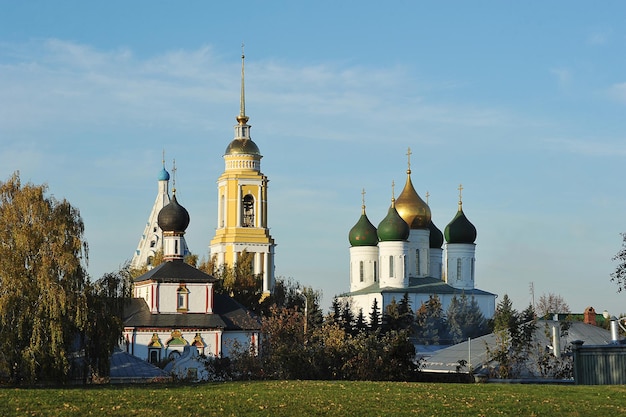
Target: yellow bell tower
(242, 204)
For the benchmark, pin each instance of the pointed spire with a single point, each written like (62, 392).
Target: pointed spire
(393, 194)
(460, 196)
(242, 118)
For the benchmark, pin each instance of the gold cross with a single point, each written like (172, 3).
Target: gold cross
(409, 155)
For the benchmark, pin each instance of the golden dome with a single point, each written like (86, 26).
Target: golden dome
(411, 207)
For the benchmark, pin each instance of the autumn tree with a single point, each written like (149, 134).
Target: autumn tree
(551, 304)
(619, 275)
(43, 306)
(514, 333)
(106, 299)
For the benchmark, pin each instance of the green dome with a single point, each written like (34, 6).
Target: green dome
(393, 227)
(460, 229)
(436, 237)
(363, 233)
(242, 147)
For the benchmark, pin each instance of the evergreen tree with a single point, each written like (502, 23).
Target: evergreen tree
(360, 325)
(430, 325)
(347, 319)
(374, 316)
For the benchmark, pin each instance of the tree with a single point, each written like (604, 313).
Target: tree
(514, 339)
(375, 316)
(106, 299)
(430, 324)
(43, 305)
(465, 319)
(619, 276)
(551, 304)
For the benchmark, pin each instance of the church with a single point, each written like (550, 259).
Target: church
(406, 254)
(175, 313)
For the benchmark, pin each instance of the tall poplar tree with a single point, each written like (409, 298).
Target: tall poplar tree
(43, 306)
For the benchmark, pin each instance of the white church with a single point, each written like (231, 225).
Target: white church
(175, 312)
(406, 254)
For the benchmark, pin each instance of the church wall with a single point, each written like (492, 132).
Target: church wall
(196, 302)
(369, 256)
(236, 340)
(140, 342)
(460, 264)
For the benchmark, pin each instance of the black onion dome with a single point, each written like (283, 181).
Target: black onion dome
(460, 229)
(436, 237)
(173, 217)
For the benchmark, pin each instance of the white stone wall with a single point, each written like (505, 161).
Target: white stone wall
(369, 256)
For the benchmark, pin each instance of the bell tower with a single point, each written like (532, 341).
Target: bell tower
(242, 204)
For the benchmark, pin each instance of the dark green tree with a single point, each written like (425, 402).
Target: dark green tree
(430, 323)
(374, 316)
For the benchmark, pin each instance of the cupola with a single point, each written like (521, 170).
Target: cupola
(393, 227)
(363, 233)
(410, 206)
(460, 229)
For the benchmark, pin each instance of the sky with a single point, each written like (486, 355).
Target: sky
(524, 103)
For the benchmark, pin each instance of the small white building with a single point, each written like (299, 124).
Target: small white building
(175, 306)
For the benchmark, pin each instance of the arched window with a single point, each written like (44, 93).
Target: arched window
(417, 261)
(247, 219)
(361, 270)
(182, 303)
(375, 271)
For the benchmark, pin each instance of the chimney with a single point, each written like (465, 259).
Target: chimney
(590, 316)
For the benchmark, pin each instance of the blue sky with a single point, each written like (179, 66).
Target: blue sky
(523, 103)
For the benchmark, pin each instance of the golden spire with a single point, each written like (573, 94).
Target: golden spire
(427, 195)
(163, 159)
(393, 194)
(242, 118)
(460, 196)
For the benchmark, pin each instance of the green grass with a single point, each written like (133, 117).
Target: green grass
(317, 398)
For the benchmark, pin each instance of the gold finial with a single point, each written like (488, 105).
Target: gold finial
(242, 118)
(174, 176)
(427, 195)
(393, 193)
(409, 156)
(163, 159)
(460, 196)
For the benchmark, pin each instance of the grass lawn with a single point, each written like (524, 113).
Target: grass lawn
(317, 398)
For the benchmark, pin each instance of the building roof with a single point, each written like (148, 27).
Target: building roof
(447, 360)
(227, 314)
(423, 285)
(175, 271)
(125, 367)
